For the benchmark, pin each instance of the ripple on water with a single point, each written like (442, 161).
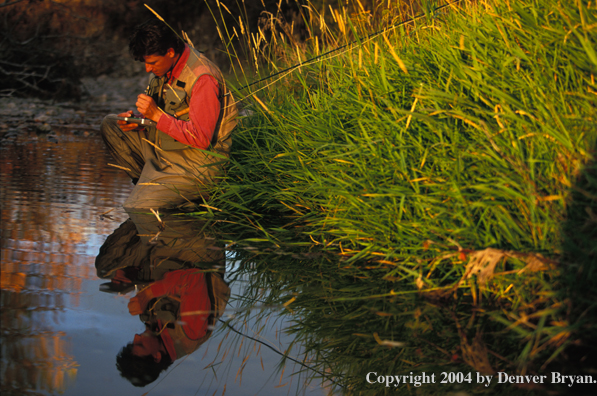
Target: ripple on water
(52, 193)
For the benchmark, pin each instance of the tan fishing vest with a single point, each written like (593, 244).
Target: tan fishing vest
(174, 99)
(219, 293)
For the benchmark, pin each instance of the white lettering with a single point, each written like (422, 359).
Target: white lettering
(571, 379)
(555, 378)
(427, 379)
(481, 379)
(502, 377)
(417, 381)
(369, 381)
(389, 380)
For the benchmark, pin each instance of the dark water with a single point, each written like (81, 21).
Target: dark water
(60, 333)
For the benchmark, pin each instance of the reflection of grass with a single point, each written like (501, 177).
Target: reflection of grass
(438, 161)
(578, 275)
(351, 321)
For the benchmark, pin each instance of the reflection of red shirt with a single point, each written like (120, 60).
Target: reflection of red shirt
(190, 287)
(204, 110)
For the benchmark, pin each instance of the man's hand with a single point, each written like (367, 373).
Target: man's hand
(127, 126)
(148, 108)
(120, 277)
(135, 306)
(138, 304)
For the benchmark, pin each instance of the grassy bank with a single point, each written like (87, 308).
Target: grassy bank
(473, 132)
(450, 164)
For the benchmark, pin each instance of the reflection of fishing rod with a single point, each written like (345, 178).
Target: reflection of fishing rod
(278, 352)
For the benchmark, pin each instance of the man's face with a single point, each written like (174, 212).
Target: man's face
(160, 64)
(146, 344)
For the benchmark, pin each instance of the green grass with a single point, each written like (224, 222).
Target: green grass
(477, 143)
(409, 156)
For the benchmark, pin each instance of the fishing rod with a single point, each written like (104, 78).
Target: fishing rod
(368, 38)
(290, 69)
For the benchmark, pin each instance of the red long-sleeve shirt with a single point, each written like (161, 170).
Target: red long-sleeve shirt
(204, 110)
(195, 306)
(190, 288)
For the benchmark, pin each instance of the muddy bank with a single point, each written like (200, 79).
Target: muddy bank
(32, 119)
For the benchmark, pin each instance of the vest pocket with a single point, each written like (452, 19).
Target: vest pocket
(175, 100)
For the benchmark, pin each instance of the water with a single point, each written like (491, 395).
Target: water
(60, 333)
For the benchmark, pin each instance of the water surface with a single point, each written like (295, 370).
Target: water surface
(60, 333)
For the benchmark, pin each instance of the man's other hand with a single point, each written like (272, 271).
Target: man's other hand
(148, 108)
(127, 126)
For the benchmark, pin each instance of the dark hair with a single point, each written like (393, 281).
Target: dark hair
(153, 37)
(140, 370)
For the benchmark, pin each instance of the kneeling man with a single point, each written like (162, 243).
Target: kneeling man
(192, 113)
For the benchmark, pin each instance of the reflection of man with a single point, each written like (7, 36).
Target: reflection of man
(179, 312)
(194, 111)
(182, 293)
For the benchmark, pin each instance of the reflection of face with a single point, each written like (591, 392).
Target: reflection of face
(160, 64)
(146, 344)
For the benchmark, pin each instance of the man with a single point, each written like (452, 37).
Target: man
(172, 162)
